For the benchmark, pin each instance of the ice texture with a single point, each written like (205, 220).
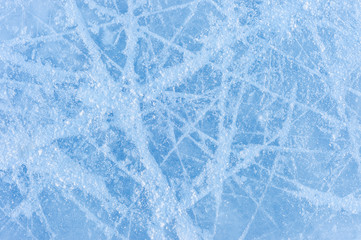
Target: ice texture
(180, 119)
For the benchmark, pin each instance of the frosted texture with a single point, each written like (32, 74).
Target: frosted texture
(180, 119)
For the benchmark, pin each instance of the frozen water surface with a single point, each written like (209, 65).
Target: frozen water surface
(180, 119)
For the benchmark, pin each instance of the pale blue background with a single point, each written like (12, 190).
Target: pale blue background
(180, 119)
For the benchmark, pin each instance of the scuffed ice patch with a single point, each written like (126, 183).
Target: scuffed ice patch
(180, 119)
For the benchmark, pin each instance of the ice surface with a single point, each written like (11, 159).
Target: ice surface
(180, 119)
